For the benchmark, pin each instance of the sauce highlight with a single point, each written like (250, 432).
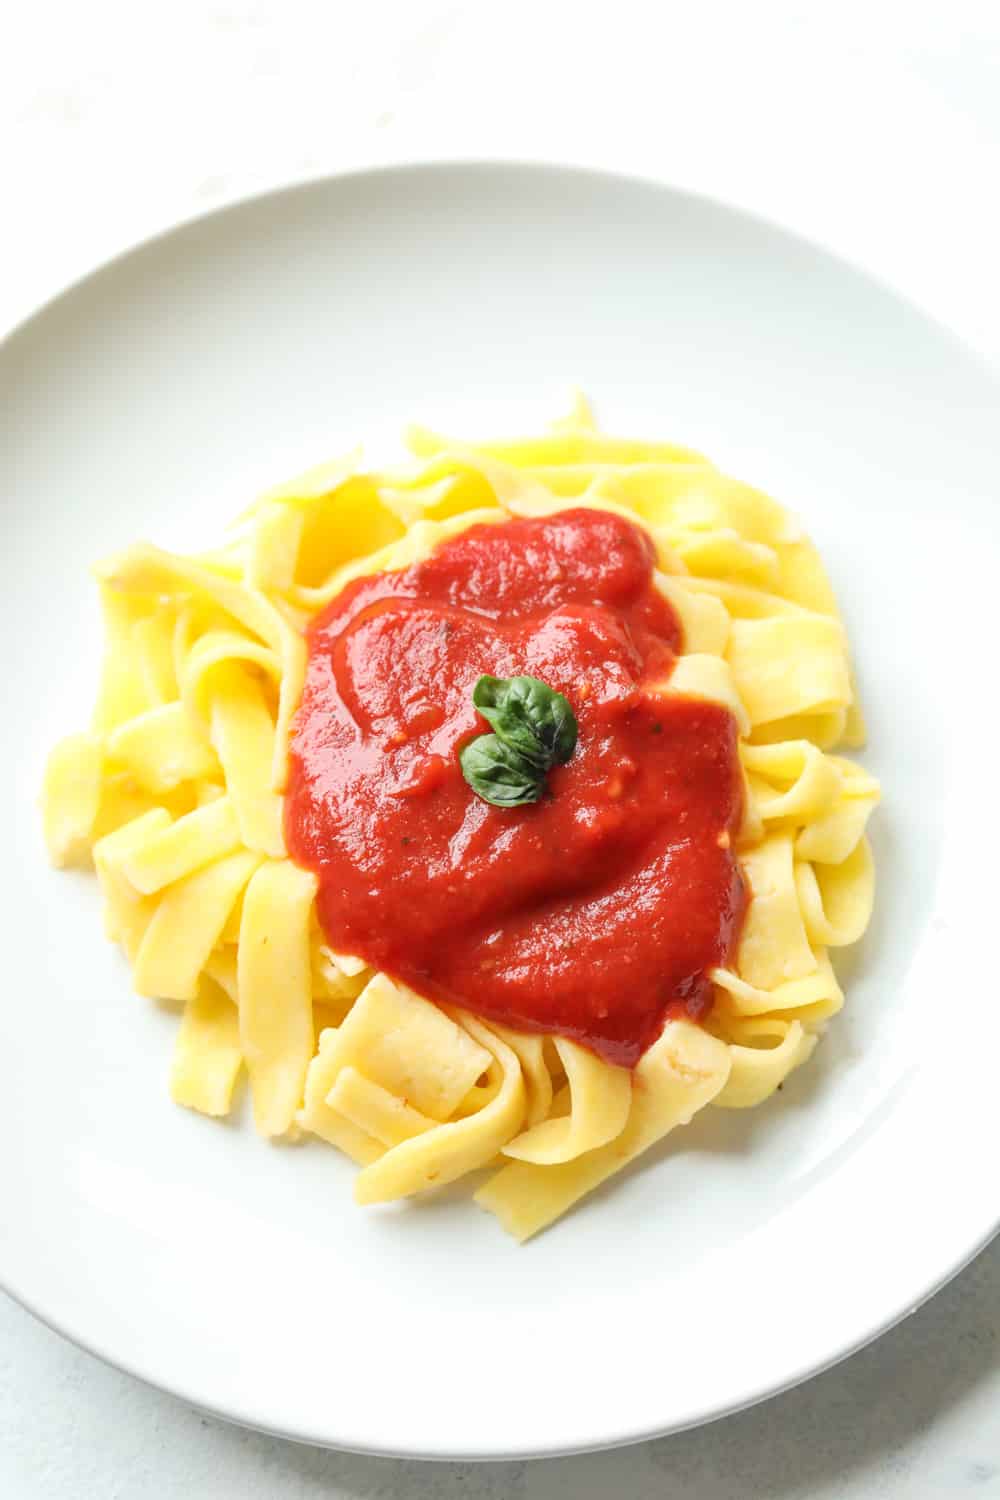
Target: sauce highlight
(594, 913)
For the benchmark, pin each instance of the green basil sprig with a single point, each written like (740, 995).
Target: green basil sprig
(534, 728)
(499, 774)
(529, 717)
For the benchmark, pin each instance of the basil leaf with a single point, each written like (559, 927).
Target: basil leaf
(529, 717)
(499, 774)
(534, 728)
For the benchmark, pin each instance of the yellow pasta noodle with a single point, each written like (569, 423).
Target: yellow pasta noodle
(319, 1117)
(381, 1114)
(274, 990)
(126, 914)
(680, 1073)
(175, 793)
(411, 1047)
(243, 735)
(774, 946)
(200, 837)
(436, 1157)
(599, 1100)
(71, 797)
(162, 748)
(207, 1055)
(186, 926)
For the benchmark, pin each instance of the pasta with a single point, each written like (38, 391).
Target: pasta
(176, 796)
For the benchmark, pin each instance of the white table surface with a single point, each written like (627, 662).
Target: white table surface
(870, 125)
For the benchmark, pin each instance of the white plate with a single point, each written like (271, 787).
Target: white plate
(154, 399)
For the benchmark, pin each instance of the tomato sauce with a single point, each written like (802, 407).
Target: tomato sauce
(594, 913)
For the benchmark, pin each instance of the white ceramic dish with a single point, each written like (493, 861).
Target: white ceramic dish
(155, 398)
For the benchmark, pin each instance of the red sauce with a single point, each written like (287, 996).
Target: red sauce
(594, 913)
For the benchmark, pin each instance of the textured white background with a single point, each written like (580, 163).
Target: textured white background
(871, 125)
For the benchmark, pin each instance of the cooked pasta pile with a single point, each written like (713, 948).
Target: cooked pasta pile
(175, 794)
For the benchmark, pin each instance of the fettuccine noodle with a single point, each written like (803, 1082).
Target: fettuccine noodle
(175, 796)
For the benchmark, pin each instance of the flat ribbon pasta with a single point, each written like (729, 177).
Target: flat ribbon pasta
(837, 900)
(599, 1099)
(439, 1156)
(274, 986)
(175, 794)
(756, 1071)
(208, 1055)
(678, 1075)
(71, 797)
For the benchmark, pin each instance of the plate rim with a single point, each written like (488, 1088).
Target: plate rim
(435, 165)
